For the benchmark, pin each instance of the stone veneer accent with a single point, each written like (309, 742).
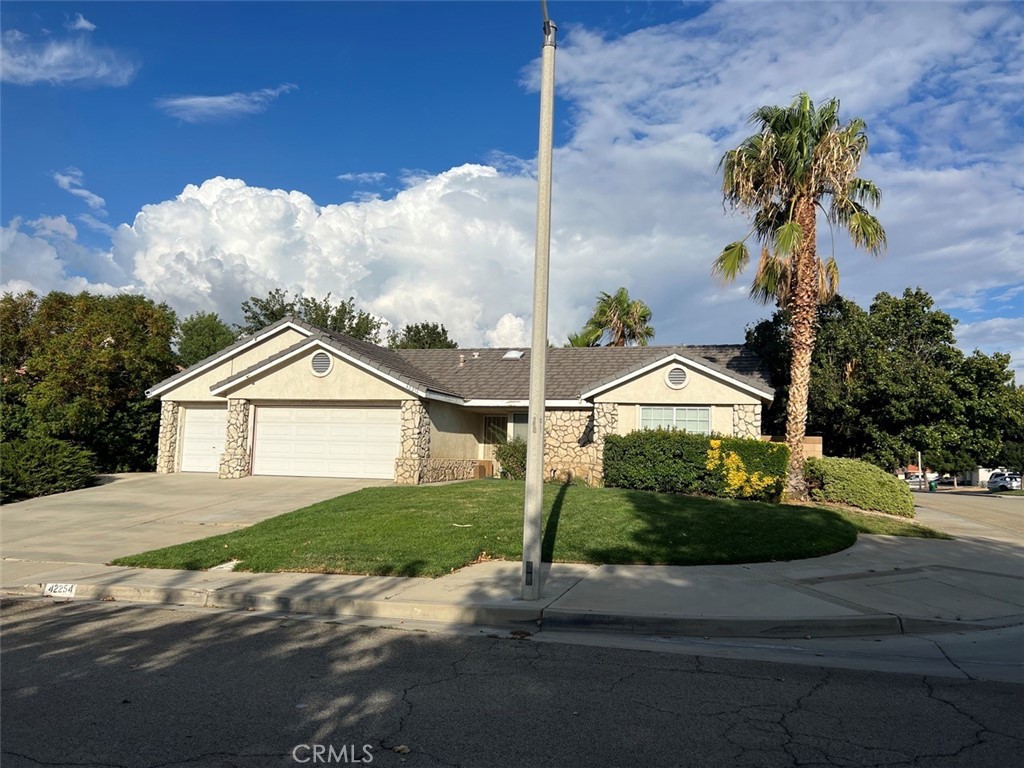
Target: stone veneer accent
(606, 422)
(443, 470)
(570, 449)
(167, 443)
(411, 463)
(234, 462)
(746, 421)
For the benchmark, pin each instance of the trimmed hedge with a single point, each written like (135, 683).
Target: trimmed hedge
(858, 484)
(512, 457)
(669, 461)
(39, 466)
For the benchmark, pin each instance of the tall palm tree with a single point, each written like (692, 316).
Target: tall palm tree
(800, 161)
(617, 318)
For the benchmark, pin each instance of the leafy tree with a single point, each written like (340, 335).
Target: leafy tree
(341, 317)
(890, 381)
(259, 313)
(201, 335)
(80, 366)
(618, 321)
(800, 159)
(421, 336)
(1013, 456)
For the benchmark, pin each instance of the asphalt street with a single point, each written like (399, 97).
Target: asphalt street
(107, 684)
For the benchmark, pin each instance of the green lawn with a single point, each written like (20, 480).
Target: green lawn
(429, 531)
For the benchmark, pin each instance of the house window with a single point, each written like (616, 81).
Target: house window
(521, 426)
(495, 430)
(672, 417)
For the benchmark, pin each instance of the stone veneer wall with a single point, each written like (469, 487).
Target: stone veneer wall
(234, 462)
(746, 421)
(570, 450)
(606, 422)
(411, 463)
(167, 442)
(443, 470)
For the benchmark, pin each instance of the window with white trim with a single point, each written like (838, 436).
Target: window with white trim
(676, 417)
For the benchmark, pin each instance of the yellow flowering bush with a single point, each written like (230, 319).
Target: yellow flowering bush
(738, 481)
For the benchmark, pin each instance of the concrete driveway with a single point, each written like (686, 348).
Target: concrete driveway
(132, 513)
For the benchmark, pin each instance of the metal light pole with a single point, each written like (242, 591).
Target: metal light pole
(531, 577)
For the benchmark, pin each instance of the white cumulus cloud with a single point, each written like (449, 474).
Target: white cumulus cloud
(202, 109)
(510, 331)
(51, 259)
(637, 192)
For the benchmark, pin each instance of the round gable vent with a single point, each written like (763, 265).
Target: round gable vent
(676, 377)
(321, 364)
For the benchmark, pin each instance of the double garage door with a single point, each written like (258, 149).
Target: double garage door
(326, 442)
(301, 442)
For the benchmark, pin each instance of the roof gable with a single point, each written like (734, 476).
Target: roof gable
(237, 347)
(369, 357)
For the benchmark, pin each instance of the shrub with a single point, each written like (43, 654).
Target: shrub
(858, 484)
(679, 462)
(39, 466)
(750, 469)
(512, 457)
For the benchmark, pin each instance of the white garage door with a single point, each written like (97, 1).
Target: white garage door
(203, 439)
(326, 442)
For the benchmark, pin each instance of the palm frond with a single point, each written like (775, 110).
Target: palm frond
(731, 262)
(866, 232)
(772, 280)
(788, 238)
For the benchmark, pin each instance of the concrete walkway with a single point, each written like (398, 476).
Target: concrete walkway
(882, 585)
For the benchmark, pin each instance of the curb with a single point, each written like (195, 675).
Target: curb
(551, 619)
(726, 626)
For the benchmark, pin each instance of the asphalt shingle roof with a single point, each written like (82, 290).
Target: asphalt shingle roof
(571, 371)
(484, 374)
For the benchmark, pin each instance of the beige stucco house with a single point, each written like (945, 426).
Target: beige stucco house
(297, 400)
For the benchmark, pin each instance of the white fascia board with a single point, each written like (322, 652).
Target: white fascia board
(676, 358)
(526, 403)
(312, 344)
(221, 358)
(442, 397)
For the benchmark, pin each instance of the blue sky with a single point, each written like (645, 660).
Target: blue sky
(204, 152)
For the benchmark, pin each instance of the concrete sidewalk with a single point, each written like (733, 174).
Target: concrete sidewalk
(882, 585)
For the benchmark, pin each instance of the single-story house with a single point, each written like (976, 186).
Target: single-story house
(297, 400)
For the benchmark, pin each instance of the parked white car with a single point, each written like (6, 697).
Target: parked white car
(1001, 482)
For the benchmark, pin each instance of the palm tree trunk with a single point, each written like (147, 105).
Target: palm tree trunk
(803, 313)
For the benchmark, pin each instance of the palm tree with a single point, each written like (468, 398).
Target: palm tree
(800, 160)
(621, 320)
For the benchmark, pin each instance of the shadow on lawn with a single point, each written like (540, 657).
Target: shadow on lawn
(687, 530)
(547, 547)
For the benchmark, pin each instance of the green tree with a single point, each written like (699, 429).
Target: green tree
(618, 321)
(200, 335)
(891, 381)
(82, 364)
(421, 336)
(801, 159)
(340, 317)
(258, 312)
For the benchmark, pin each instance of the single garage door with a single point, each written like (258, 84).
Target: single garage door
(203, 438)
(326, 442)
